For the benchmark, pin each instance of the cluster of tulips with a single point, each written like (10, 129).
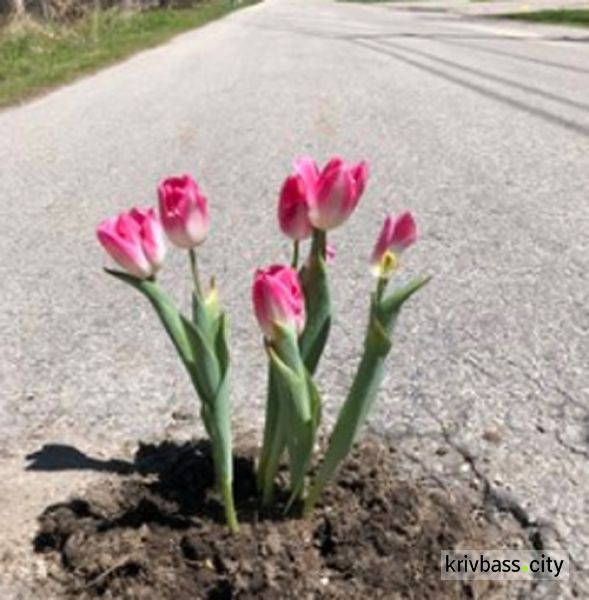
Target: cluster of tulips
(292, 306)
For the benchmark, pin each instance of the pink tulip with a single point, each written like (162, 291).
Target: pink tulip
(278, 299)
(338, 191)
(184, 211)
(396, 235)
(293, 209)
(134, 240)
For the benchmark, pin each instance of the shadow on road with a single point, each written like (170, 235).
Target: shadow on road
(149, 458)
(61, 457)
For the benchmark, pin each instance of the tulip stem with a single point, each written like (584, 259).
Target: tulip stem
(295, 254)
(319, 244)
(381, 286)
(229, 506)
(194, 270)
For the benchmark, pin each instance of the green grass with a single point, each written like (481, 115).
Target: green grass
(565, 16)
(35, 57)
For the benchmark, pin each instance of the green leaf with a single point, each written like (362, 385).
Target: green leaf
(274, 440)
(299, 407)
(298, 433)
(221, 412)
(315, 401)
(377, 336)
(318, 308)
(199, 314)
(294, 384)
(206, 313)
(396, 300)
(206, 365)
(313, 350)
(217, 418)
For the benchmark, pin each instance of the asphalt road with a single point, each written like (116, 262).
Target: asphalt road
(480, 128)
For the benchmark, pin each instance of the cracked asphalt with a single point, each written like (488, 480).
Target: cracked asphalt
(480, 127)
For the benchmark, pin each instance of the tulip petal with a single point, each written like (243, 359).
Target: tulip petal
(360, 174)
(335, 199)
(120, 237)
(293, 209)
(405, 233)
(184, 211)
(152, 235)
(308, 170)
(384, 239)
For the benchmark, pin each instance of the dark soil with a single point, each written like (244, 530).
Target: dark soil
(158, 534)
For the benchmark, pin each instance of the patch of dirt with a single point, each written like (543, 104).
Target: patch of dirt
(159, 534)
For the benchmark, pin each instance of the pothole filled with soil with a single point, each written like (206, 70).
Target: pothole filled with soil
(158, 534)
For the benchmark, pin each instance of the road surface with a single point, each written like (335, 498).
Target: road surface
(480, 127)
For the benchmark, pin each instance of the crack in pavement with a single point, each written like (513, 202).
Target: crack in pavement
(536, 531)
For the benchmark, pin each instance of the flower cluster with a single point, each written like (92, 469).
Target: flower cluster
(135, 239)
(292, 305)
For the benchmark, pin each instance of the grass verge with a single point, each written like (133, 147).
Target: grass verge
(565, 16)
(35, 57)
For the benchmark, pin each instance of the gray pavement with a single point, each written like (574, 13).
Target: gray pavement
(481, 128)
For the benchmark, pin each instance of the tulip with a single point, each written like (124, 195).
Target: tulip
(338, 192)
(294, 403)
(278, 300)
(396, 235)
(135, 241)
(293, 209)
(184, 211)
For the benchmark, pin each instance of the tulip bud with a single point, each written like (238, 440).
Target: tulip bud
(293, 209)
(135, 241)
(396, 235)
(184, 211)
(278, 299)
(339, 189)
